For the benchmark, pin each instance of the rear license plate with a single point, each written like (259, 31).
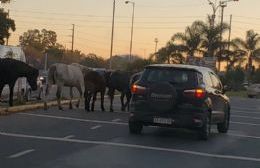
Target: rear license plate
(167, 121)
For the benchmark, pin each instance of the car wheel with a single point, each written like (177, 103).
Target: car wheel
(135, 127)
(224, 126)
(205, 130)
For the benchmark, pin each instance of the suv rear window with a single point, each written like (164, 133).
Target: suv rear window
(172, 75)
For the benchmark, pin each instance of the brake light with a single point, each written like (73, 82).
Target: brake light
(136, 89)
(196, 93)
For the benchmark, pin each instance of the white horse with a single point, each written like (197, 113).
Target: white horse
(65, 75)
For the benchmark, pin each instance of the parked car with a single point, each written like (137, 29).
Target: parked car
(253, 90)
(179, 96)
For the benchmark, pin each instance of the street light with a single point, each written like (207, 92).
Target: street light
(112, 35)
(215, 7)
(132, 29)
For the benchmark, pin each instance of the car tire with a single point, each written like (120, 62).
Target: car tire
(224, 126)
(135, 127)
(205, 130)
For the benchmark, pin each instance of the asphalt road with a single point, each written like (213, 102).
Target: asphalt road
(76, 139)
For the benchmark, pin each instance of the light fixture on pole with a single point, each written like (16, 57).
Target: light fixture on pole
(132, 29)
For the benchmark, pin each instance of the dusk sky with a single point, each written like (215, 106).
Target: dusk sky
(153, 19)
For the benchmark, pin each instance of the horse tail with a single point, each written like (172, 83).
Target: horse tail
(52, 75)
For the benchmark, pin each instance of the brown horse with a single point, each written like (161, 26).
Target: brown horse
(11, 70)
(94, 83)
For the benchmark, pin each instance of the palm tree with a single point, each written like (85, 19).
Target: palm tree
(171, 53)
(190, 40)
(250, 46)
(211, 38)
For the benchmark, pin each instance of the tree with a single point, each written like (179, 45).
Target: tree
(6, 24)
(211, 38)
(251, 48)
(138, 65)
(190, 40)
(235, 77)
(41, 40)
(171, 53)
(5, 1)
(93, 61)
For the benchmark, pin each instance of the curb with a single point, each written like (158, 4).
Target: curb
(22, 108)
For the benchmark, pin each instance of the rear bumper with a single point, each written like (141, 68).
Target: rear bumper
(184, 117)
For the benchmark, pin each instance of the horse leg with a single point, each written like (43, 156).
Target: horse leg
(11, 87)
(80, 94)
(128, 97)
(102, 94)
(71, 97)
(122, 101)
(87, 100)
(1, 89)
(47, 90)
(93, 101)
(111, 95)
(58, 94)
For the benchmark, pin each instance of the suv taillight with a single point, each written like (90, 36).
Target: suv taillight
(195, 93)
(136, 89)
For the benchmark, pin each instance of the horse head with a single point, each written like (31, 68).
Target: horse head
(32, 78)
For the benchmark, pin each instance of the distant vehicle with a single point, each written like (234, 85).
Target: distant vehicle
(179, 96)
(253, 90)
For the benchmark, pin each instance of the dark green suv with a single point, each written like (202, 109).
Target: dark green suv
(179, 96)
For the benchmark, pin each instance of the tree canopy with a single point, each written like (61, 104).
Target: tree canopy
(6, 24)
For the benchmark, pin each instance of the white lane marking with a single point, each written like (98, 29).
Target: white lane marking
(69, 136)
(116, 120)
(244, 136)
(109, 122)
(240, 116)
(244, 123)
(19, 154)
(96, 127)
(242, 108)
(238, 111)
(74, 119)
(189, 152)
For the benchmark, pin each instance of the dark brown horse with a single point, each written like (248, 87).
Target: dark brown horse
(94, 83)
(11, 70)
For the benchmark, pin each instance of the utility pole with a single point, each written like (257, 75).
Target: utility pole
(72, 40)
(132, 29)
(156, 43)
(229, 33)
(7, 39)
(112, 35)
(222, 5)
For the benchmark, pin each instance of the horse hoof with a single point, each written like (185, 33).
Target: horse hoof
(61, 109)
(103, 110)
(111, 110)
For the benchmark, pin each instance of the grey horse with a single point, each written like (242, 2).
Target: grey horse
(64, 75)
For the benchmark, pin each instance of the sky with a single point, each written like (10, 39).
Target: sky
(153, 19)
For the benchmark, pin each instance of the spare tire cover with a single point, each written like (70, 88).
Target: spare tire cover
(162, 96)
